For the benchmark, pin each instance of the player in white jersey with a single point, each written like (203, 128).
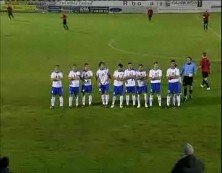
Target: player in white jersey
(74, 77)
(86, 77)
(155, 76)
(102, 77)
(130, 76)
(118, 85)
(141, 77)
(174, 88)
(56, 78)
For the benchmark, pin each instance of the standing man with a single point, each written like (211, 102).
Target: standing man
(56, 77)
(188, 71)
(102, 78)
(74, 77)
(86, 77)
(205, 69)
(205, 20)
(130, 76)
(155, 76)
(64, 21)
(188, 163)
(118, 85)
(150, 13)
(141, 77)
(173, 75)
(10, 14)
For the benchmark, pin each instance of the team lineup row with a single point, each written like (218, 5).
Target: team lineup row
(135, 82)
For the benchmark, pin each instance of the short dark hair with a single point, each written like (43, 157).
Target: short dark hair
(57, 65)
(129, 63)
(173, 60)
(140, 65)
(4, 162)
(101, 62)
(204, 53)
(155, 62)
(86, 64)
(74, 65)
(120, 65)
(189, 58)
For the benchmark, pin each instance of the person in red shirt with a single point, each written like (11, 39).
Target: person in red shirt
(64, 21)
(150, 13)
(205, 69)
(10, 14)
(205, 20)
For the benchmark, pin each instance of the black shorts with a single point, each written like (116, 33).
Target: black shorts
(187, 81)
(10, 13)
(64, 22)
(205, 21)
(205, 74)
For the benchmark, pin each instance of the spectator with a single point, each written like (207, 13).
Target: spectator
(188, 163)
(4, 165)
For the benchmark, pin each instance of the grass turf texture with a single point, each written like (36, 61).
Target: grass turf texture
(95, 140)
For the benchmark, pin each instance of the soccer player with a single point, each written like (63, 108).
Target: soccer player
(130, 84)
(205, 68)
(10, 14)
(86, 77)
(64, 21)
(141, 77)
(150, 14)
(155, 76)
(118, 85)
(188, 71)
(56, 77)
(205, 20)
(173, 75)
(102, 77)
(74, 77)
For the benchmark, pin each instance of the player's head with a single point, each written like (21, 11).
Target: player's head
(204, 54)
(74, 67)
(173, 63)
(130, 66)
(189, 60)
(86, 66)
(120, 66)
(141, 67)
(4, 162)
(206, 11)
(101, 65)
(155, 65)
(56, 68)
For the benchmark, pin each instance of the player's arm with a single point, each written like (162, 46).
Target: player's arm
(168, 75)
(70, 76)
(150, 75)
(182, 70)
(90, 76)
(177, 76)
(160, 76)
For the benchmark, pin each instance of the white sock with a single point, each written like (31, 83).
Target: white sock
(138, 100)
(107, 99)
(84, 100)
(174, 99)
(70, 100)
(61, 100)
(168, 100)
(90, 99)
(151, 100)
(53, 101)
(121, 100)
(159, 100)
(134, 100)
(103, 99)
(114, 100)
(145, 98)
(178, 100)
(127, 99)
(77, 101)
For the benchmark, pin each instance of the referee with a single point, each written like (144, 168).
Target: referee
(188, 70)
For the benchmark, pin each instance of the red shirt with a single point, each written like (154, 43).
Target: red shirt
(64, 17)
(150, 12)
(206, 16)
(205, 65)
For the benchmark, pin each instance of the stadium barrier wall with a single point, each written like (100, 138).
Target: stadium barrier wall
(167, 6)
(20, 8)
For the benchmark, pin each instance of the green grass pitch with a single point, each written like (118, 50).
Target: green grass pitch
(95, 139)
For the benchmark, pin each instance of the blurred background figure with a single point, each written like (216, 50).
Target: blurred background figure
(4, 165)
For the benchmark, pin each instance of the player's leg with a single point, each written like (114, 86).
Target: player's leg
(203, 81)
(60, 93)
(150, 17)
(170, 94)
(139, 92)
(53, 92)
(134, 95)
(90, 94)
(115, 93)
(127, 95)
(76, 93)
(83, 96)
(152, 91)
(107, 94)
(207, 25)
(121, 96)
(9, 16)
(190, 87)
(71, 92)
(178, 93)
(158, 91)
(102, 93)
(145, 96)
(185, 80)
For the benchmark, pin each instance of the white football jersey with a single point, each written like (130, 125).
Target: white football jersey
(86, 74)
(118, 74)
(130, 73)
(154, 74)
(172, 73)
(103, 76)
(141, 82)
(74, 83)
(58, 75)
